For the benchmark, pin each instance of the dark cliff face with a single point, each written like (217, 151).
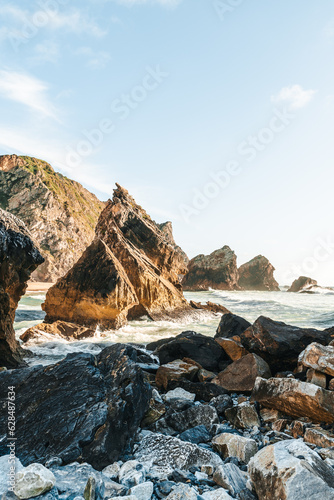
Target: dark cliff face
(217, 270)
(60, 214)
(19, 257)
(258, 274)
(143, 277)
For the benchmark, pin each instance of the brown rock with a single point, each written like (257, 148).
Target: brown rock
(19, 257)
(316, 378)
(301, 283)
(205, 375)
(235, 350)
(209, 306)
(217, 270)
(319, 437)
(174, 370)
(280, 424)
(243, 416)
(318, 357)
(331, 385)
(280, 344)
(60, 214)
(269, 415)
(297, 428)
(258, 274)
(295, 398)
(233, 445)
(68, 331)
(143, 278)
(240, 376)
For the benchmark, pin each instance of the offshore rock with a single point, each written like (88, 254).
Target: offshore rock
(258, 274)
(301, 283)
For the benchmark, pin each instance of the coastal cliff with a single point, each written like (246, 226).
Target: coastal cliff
(60, 213)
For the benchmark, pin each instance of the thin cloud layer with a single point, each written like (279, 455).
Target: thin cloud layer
(295, 96)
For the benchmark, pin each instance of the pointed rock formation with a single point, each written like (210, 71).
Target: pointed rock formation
(60, 213)
(301, 283)
(19, 257)
(130, 270)
(258, 274)
(217, 270)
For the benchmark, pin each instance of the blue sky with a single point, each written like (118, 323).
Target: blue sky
(217, 115)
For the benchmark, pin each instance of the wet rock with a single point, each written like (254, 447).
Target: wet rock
(209, 306)
(174, 371)
(196, 415)
(164, 454)
(295, 398)
(233, 445)
(301, 283)
(199, 348)
(280, 344)
(319, 437)
(235, 350)
(258, 274)
(229, 476)
(231, 325)
(94, 406)
(33, 480)
(318, 357)
(196, 435)
(291, 470)
(68, 331)
(217, 270)
(240, 376)
(19, 257)
(243, 416)
(221, 403)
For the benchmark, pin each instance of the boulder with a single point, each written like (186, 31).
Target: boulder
(68, 331)
(217, 270)
(209, 306)
(72, 479)
(143, 491)
(174, 370)
(193, 416)
(130, 270)
(163, 454)
(9, 466)
(33, 480)
(318, 357)
(221, 403)
(196, 435)
(243, 416)
(231, 325)
(319, 437)
(199, 348)
(179, 393)
(233, 445)
(240, 376)
(280, 344)
(204, 391)
(295, 398)
(19, 257)
(301, 283)
(317, 378)
(234, 349)
(291, 470)
(91, 407)
(218, 494)
(230, 477)
(258, 274)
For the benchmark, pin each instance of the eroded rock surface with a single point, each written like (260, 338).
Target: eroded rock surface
(301, 283)
(258, 274)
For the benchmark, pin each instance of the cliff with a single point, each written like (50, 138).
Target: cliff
(131, 269)
(60, 213)
(19, 257)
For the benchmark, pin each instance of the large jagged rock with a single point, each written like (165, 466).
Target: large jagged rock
(301, 283)
(167, 229)
(240, 376)
(258, 274)
(280, 344)
(136, 272)
(60, 214)
(230, 325)
(64, 330)
(295, 398)
(290, 470)
(217, 270)
(318, 357)
(19, 257)
(82, 408)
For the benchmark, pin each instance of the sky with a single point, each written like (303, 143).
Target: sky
(215, 114)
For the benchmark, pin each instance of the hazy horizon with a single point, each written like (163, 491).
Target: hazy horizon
(223, 125)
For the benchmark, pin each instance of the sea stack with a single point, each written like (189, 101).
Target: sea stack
(258, 274)
(19, 257)
(302, 283)
(131, 269)
(217, 270)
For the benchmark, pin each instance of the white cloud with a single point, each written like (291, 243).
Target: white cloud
(95, 60)
(294, 95)
(27, 90)
(47, 51)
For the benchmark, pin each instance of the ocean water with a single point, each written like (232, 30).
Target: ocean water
(303, 310)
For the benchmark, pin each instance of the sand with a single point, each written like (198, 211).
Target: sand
(38, 286)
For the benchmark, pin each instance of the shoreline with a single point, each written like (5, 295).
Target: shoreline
(38, 286)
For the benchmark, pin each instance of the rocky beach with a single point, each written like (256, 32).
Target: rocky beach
(143, 375)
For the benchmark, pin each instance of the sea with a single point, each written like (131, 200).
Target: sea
(315, 310)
